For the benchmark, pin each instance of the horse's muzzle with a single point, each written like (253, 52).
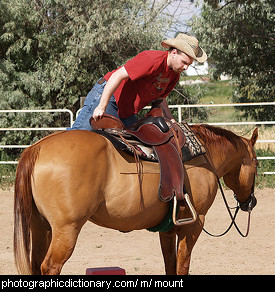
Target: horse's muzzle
(249, 204)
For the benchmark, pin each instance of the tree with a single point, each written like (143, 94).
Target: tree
(219, 4)
(239, 39)
(53, 51)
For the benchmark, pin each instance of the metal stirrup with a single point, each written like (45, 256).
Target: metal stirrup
(180, 222)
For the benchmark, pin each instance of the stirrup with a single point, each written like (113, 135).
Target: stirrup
(181, 222)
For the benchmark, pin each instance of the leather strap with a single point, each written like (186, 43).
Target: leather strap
(100, 81)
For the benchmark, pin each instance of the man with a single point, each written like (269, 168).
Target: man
(148, 77)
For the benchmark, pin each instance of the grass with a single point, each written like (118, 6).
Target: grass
(265, 180)
(214, 91)
(7, 176)
(218, 92)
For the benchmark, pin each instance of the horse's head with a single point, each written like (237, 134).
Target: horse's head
(241, 178)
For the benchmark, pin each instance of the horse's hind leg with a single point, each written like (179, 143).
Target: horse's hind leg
(41, 238)
(61, 247)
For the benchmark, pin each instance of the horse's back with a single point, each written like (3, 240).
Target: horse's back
(74, 153)
(73, 142)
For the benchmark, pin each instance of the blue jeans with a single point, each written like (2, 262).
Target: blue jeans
(91, 102)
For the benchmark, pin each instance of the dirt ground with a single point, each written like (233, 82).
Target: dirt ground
(139, 253)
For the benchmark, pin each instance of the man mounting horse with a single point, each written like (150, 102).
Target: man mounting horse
(148, 77)
(71, 177)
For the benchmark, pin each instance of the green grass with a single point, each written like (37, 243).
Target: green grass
(7, 175)
(218, 92)
(215, 92)
(262, 180)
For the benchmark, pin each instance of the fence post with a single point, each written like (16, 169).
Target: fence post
(82, 99)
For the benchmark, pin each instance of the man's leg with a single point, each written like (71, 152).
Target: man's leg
(129, 121)
(92, 100)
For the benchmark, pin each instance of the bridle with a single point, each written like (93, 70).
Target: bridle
(244, 206)
(249, 203)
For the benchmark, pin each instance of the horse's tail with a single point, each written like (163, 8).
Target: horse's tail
(23, 201)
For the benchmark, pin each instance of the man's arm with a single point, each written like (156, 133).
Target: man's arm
(110, 87)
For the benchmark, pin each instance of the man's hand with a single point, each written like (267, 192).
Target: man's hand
(110, 87)
(98, 113)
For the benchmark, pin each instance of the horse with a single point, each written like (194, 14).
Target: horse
(71, 177)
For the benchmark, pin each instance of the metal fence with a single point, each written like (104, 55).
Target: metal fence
(179, 110)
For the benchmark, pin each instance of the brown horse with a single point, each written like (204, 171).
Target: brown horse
(72, 177)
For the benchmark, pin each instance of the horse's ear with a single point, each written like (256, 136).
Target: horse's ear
(254, 137)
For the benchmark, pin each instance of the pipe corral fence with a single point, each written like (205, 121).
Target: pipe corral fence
(179, 112)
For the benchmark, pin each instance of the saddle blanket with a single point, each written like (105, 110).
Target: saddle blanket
(127, 143)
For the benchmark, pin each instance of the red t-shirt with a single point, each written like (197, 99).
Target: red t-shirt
(150, 79)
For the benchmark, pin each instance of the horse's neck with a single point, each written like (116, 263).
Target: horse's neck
(224, 159)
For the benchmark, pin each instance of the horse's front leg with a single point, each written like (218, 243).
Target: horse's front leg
(187, 237)
(168, 247)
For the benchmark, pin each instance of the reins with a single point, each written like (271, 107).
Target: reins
(233, 222)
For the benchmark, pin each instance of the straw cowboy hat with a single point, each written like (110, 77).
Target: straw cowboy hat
(188, 45)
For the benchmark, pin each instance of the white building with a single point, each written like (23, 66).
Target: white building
(197, 69)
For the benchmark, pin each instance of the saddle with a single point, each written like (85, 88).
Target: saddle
(166, 143)
(157, 133)
(165, 138)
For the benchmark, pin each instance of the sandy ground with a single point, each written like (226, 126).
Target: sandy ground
(139, 253)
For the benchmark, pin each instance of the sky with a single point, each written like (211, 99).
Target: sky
(183, 11)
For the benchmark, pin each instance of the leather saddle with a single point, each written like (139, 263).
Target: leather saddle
(166, 138)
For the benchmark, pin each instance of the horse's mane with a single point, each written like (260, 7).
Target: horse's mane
(217, 136)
